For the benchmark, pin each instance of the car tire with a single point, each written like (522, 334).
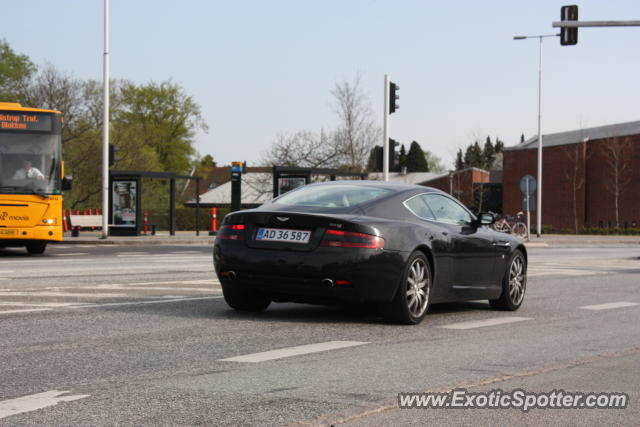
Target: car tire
(244, 299)
(36, 248)
(405, 308)
(514, 283)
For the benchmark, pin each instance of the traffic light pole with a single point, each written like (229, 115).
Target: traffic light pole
(385, 136)
(580, 24)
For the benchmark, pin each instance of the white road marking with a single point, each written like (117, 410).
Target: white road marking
(178, 282)
(610, 305)
(24, 310)
(148, 288)
(292, 351)
(122, 304)
(36, 401)
(60, 294)
(38, 304)
(189, 252)
(562, 272)
(132, 285)
(486, 322)
(6, 271)
(172, 299)
(132, 253)
(72, 254)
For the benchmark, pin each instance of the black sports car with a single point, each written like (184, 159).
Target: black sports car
(400, 246)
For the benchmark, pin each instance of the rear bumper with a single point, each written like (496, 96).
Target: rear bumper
(372, 275)
(40, 232)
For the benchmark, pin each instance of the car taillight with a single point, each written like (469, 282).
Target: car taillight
(351, 239)
(231, 232)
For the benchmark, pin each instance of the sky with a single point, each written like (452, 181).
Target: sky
(259, 68)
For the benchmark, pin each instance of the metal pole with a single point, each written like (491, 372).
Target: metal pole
(385, 142)
(172, 207)
(105, 127)
(197, 206)
(528, 211)
(539, 199)
(581, 24)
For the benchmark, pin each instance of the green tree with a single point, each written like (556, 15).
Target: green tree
(402, 158)
(207, 161)
(460, 164)
(16, 71)
(163, 117)
(488, 154)
(416, 161)
(473, 156)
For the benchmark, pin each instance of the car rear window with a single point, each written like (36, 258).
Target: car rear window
(331, 196)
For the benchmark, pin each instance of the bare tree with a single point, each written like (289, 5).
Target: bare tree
(347, 147)
(574, 174)
(617, 155)
(304, 149)
(357, 131)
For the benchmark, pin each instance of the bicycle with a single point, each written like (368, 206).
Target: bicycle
(512, 224)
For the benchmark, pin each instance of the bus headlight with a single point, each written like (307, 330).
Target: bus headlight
(50, 221)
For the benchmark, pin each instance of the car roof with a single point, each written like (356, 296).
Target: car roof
(399, 187)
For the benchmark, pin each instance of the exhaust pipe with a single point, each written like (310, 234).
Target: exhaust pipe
(328, 283)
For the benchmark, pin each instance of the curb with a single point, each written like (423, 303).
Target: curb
(134, 243)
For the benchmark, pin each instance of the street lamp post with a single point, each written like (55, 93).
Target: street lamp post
(539, 179)
(105, 127)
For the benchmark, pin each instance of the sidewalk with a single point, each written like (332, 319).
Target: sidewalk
(580, 240)
(190, 238)
(161, 238)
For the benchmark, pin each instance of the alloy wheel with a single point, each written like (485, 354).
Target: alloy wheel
(517, 282)
(417, 288)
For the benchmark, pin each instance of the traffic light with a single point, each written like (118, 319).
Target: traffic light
(378, 159)
(392, 153)
(113, 156)
(569, 36)
(393, 97)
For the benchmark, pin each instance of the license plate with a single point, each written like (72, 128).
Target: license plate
(283, 235)
(7, 232)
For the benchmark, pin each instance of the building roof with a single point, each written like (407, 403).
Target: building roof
(257, 188)
(408, 178)
(579, 135)
(441, 175)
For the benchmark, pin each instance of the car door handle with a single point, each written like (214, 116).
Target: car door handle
(502, 244)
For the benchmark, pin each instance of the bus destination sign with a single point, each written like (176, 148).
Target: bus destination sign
(25, 121)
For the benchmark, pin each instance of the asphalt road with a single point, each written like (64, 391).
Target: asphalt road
(103, 335)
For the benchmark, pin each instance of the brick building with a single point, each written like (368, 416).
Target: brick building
(467, 185)
(586, 173)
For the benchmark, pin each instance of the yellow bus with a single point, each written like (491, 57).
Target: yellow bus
(31, 177)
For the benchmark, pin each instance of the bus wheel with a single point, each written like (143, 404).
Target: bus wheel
(36, 247)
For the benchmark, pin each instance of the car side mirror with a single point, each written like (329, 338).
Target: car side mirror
(67, 183)
(485, 218)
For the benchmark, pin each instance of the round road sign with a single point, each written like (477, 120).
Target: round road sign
(530, 188)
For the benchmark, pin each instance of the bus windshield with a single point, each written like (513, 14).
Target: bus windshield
(30, 163)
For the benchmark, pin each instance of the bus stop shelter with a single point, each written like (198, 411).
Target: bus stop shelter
(125, 201)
